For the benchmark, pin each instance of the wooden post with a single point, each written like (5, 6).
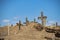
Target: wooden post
(8, 28)
(19, 24)
(34, 20)
(56, 24)
(11, 25)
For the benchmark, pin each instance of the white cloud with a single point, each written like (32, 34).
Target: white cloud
(51, 23)
(16, 17)
(6, 20)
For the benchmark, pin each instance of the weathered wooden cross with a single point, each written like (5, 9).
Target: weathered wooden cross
(43, 19)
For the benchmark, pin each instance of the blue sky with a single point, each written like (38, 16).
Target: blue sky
(13, 10)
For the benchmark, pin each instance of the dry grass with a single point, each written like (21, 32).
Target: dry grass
(27, 33)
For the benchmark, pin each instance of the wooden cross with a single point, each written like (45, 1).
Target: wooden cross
(19, 24)
(43, 19)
